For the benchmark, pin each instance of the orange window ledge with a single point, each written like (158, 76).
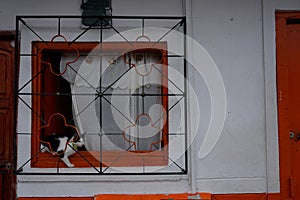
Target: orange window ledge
(109, 158)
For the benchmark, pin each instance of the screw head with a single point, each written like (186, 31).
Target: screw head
(292, 135)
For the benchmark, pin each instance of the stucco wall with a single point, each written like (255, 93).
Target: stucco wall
(232, 34)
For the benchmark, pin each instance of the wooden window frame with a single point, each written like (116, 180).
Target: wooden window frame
(113, 158)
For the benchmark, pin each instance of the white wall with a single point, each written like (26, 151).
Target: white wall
(240, 37)
(232, 33)
(9, 9)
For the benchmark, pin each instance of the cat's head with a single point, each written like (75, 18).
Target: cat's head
(79, 142)
(76, 139)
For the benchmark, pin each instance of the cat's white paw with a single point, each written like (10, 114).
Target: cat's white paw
(44, 149)
(67, 161)
(71, 165)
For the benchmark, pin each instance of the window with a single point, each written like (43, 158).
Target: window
(65, 87)
(123, 96)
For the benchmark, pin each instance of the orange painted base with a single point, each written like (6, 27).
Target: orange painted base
(204, 196)
(184, 196)
(275, 196)
(56, 198)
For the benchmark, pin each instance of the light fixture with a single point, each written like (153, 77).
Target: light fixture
(96, 8)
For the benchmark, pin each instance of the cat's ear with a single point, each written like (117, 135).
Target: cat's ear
(72, 139)
(75, 137)
(83, 135)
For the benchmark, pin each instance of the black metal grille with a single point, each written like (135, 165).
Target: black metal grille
(82, 95)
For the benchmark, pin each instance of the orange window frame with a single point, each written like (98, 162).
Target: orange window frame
(113, 157)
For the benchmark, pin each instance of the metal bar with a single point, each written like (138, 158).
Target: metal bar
(118, 111)
(101, 49)
(23, 133)
(33, 156)
(28, 106)
(145, 94)
(27, 54)
(99, 16)
(101, 174)
(101, 150)
(92, 94)
(120, 134)
(185, 94)
(143, 27)
(84, 158)
(73, 119)
(82, 77)
(168, 111)
(174, 56)
(96, 54)
(58, 26)
(118, 157)
(100, 107)
(15, 98)
(36, 75)
(168, 79)
(117, 80)
(55, 94)
(57, 166)
(155, 145)
(177, 134)
(119, 33)
(81, 34)
(176, 164)
(167, 33)
(35, 33)
(108, 133)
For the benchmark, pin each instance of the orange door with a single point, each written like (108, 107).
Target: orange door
(288, 91)
(7, 177)
(293, 54)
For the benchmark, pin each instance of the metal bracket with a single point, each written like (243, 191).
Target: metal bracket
(6, 166)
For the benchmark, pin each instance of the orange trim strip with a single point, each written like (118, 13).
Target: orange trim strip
(183, 196)
(273, 196)
(204, 196)
(56, 198)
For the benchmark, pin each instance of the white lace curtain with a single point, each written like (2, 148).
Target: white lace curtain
(84, 77)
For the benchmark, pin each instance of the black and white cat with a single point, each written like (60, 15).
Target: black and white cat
(62, 145)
